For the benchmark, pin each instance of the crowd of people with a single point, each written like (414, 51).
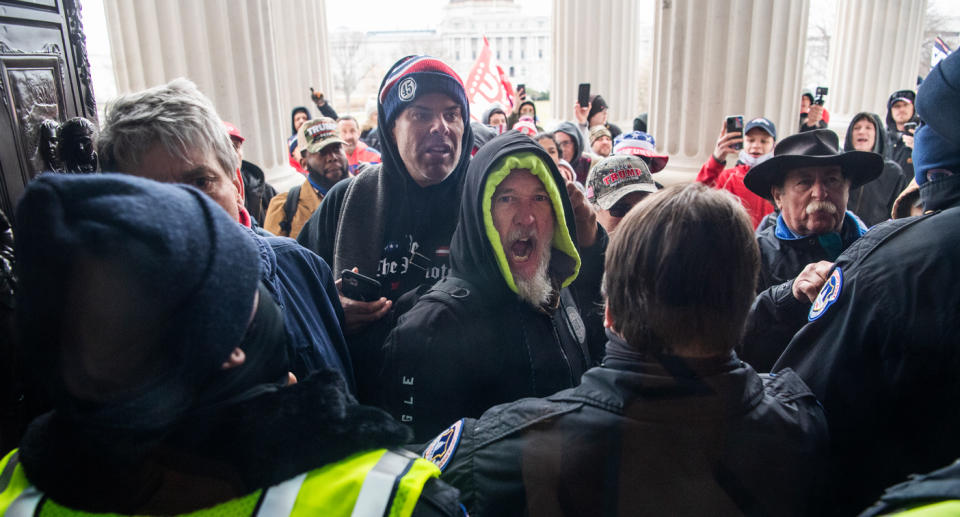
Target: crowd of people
(450, 317)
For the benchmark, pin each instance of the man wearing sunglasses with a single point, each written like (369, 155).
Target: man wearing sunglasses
(615, 185)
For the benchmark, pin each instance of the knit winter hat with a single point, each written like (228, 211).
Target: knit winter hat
(527, 126)
(598, 131)
(938, 98)
(414, 76)
(597, 104)
(132, 294)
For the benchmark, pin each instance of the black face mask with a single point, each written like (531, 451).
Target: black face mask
(266, 364)
(132, 425)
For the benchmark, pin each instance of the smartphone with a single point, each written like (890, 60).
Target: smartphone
(359, 287)
(521, 90)
(735, 125)
(910, 127)
(821, 93)
(583, 95)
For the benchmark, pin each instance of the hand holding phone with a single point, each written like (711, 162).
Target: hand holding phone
(583, 95)
(359, 287)
(734, 124)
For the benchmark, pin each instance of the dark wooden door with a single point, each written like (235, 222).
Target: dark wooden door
(44, 73)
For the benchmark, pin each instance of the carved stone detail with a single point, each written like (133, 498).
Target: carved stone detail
(78, 44)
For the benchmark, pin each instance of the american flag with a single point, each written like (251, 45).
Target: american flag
(940, 51)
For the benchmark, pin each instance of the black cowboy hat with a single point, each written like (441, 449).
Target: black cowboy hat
(819, 147)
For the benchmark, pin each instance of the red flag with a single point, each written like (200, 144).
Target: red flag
(486, 84)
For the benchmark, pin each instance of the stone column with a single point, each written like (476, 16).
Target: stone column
(255, 59)
(596, 43)
(720, 58)
(874, 53)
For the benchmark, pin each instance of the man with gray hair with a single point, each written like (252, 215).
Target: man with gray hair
(172, 133)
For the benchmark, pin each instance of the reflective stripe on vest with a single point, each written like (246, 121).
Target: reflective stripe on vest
(374, 483)
(380, 484)
(279, 499)
(941, 509)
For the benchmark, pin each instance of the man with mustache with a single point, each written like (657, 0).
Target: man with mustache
(503, 325)
(809, 179)
(880, 351)
(322, 156)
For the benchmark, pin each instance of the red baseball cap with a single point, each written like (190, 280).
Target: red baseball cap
(234, 132)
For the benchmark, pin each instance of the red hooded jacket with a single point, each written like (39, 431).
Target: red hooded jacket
(714, 175)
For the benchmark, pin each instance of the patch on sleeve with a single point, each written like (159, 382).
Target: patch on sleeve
(828, 295)
(441, 449)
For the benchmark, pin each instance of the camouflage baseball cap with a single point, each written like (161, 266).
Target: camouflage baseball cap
(616, 176)
(318, 133)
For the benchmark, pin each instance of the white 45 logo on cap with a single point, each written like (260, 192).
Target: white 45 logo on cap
(407, 89)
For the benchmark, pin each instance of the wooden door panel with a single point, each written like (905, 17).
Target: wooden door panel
(39, 79)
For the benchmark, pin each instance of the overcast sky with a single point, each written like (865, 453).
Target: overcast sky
(378, 15)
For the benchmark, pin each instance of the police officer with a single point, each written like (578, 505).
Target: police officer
(881, 348)
(142, 315)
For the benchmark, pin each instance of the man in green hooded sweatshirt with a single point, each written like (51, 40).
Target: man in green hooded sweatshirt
(503, 325)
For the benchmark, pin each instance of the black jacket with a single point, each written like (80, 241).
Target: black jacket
(782, 259)
(470, 342)
(257, 192)
(896, 150)
(668, 437)
(776, 315)
(927, 489)
(873, 201)
(409, 218)
(256, 440)
(882, 354)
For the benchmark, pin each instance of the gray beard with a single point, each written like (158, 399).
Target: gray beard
(536, 290)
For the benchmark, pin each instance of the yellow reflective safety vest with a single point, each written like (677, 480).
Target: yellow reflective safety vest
(373, 483)
(941, 509)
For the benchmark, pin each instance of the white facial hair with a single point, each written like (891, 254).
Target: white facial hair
(825, 206)
(536, 290)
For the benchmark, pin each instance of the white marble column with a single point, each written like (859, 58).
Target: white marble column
(719, 58)
(874, 53)
(596, 43)
(256, 59)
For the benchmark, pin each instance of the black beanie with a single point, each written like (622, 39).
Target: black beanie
(120, 271)
(597, 104)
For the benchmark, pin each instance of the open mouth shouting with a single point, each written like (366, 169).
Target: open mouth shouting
(438, 151)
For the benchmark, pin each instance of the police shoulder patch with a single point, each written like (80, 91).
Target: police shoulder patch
(829, 294)
(440, 451)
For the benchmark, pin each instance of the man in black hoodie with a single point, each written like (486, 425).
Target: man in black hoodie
(672, 423)
(570, 142)
(900, 111)
(394, 222)
(873, 200)
(503, 325)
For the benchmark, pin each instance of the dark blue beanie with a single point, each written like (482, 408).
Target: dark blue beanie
(120, 271)
(414, 76)
(937, 143)
(932, 151)
(938, 98)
